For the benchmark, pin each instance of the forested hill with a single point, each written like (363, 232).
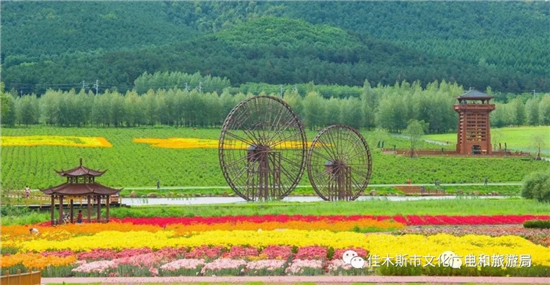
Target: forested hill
(505, 42)
(271, 50)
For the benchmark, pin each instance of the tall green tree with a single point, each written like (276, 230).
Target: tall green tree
(314, 110)
(414, 132)
(333, 109)
(532, 111)
(27, 110)
(352, 114)
(544, 111)
(8, 113)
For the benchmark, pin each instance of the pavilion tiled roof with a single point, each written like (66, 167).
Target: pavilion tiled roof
(80, 189)
(80, 171)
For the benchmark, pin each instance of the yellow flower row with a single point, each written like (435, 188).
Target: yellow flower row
(54, 141)
(208, 143)
(379, 244)
(466, 245)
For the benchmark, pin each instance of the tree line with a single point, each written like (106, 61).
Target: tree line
(386, 107)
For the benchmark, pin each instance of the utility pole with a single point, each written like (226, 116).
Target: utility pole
(84, 86)
(21, 92)
(186, 87)
(534, 94)
(281, 88)
(200, 86)
(295, 88)
(96, 86)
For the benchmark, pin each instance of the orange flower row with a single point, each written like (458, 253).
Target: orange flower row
(13, 235)
(21, 233)
(37, 261)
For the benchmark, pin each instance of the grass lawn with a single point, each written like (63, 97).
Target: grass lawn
(517, 138)
(465, 206)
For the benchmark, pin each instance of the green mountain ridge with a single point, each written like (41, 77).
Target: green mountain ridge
(505, 42)
(271, 50)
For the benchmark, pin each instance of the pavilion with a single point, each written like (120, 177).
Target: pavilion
(80, 183)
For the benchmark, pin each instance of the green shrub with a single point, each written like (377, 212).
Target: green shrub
(537, 186)
(537, 224)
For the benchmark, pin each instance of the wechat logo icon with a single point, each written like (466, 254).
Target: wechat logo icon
(352, 258)
(450, 259)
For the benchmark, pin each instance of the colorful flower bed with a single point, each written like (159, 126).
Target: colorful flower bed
(54, 141)
(275, 245)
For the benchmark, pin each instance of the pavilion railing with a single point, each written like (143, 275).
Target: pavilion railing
(39, 197)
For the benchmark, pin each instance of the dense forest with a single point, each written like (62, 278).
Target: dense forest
(61, 44)
(387, 107)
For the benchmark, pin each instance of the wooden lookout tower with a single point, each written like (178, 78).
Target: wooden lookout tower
(80, 183)
(473, 132)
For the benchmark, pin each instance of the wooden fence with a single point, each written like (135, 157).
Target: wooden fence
(415, 190)
(430, 152)
(30, 278)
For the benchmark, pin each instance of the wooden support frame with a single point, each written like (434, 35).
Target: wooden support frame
(108, 202)
(89, 209)
(52, 209)
(98, 208)
(60, 209)
(71, 207)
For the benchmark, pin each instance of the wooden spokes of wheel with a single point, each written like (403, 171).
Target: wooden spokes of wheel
(339, 163)
(262, 149)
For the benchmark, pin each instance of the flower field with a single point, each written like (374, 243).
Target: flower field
(278, 245)
(72, 141)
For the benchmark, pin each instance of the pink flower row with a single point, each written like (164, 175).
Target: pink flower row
(219, 266)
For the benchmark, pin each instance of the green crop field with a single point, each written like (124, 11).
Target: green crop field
(517, 138)
(133, 164)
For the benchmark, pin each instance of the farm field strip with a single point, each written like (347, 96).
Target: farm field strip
(140, 165)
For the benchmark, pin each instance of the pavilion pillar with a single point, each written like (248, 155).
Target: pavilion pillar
(52, 209)
(60, 208)
(98, 208)
(71, 208)
(108, 202)
(89, 210)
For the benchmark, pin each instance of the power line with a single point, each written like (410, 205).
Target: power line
(96, 86)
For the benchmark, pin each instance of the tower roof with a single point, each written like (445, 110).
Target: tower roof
(80, 171)
(474, 95)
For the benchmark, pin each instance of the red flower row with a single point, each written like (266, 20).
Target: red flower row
(466, 220)
(407, 220)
